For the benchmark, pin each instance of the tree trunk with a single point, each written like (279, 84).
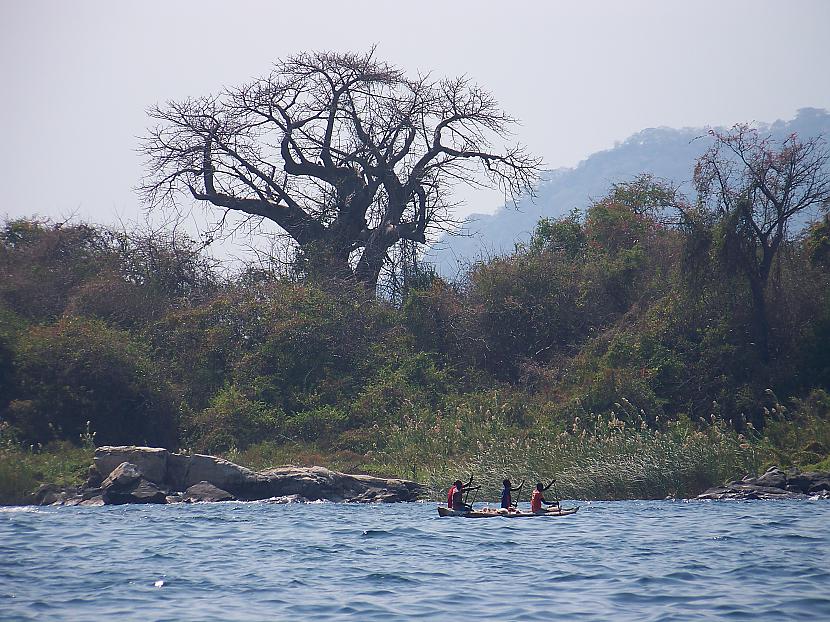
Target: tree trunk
(759, 317)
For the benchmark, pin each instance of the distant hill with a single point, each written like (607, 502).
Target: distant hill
(664, 152)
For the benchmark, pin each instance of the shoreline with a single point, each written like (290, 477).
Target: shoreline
(131, 474)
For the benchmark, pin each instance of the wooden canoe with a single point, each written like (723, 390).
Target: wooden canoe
(488, 513)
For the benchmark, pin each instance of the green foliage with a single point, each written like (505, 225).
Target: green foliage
(407, 382)
(615, 352)
(818, 242)
(563, 235)
(232, 421)
(23, 469)
(43, 264)
(799, 435)
(320, 423)
(81, 370)
(601, 457)
(528, 307)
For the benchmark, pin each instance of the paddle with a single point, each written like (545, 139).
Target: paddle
(467, 488)
(556, 500)
(518, 494)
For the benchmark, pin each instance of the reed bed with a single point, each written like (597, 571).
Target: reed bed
(609, 456)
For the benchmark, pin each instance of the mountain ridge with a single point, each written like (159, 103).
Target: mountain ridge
(664, 152)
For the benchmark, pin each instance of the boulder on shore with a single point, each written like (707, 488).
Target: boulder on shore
(126, 474)
(205, 491)
(127, 484)
(774, 483)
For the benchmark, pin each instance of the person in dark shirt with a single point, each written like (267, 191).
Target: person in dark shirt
(506, 498)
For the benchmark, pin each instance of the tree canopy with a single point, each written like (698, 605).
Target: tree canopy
(751, 188)
(344, 152)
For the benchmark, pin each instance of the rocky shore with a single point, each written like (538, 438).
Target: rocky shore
(775, 483)
(130, 474)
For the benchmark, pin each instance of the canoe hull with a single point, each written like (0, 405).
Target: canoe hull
(447, 512)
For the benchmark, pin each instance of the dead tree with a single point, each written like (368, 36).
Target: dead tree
(343, 152)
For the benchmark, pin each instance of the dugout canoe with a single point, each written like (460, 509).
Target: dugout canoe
(487, 513)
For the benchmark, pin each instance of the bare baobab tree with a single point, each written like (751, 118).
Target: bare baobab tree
(343, 152)
(752, 187)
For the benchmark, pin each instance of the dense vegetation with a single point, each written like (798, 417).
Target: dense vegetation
(617, 350)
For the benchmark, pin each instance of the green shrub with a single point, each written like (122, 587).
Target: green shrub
(81, 370)
(318, 424)
(233, 421)
(23, 469)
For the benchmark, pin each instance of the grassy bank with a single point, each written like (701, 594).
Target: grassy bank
(23, 469)
(614, 456)
(605, 457)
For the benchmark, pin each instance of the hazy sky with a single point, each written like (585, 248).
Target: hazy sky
(77, 76)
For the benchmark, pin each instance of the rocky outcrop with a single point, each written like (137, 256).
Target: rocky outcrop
(316, 483)
(129, 474)
(150, 461)
(775, 483)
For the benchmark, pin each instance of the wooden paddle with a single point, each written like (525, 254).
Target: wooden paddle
(518, 494)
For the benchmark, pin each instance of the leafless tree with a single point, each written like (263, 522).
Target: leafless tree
(343, 152)
(752, 187)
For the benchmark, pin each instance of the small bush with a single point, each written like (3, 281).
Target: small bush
(233, 421)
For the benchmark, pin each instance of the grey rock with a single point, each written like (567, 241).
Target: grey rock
(52, 494)
(177, 468)
(805, 482)
(773, 478)
(127, 484)
(151, 461)
(221, 473)
(773, 484)
(317, 483)
(94, 479)
(139, 491)
(122, 476)
(131, 470)
(205, 491)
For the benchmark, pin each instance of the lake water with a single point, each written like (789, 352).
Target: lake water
(632, 560)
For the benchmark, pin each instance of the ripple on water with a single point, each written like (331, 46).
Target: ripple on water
(620, 561)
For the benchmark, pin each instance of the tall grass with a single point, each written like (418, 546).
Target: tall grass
(25, 467)
(613, 456)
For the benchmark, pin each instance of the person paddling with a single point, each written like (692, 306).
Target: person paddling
(538, 498)
(457, 485)
(506, 498)
(458, 496)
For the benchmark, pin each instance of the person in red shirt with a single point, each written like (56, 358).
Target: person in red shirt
(458, 498)
(451, 492)
(538, 498)
(457, 486)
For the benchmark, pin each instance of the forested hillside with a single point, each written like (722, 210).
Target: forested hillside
(621, 348)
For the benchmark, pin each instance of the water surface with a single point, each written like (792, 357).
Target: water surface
(633, 560)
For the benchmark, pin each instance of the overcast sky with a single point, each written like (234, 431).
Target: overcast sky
(78, 76)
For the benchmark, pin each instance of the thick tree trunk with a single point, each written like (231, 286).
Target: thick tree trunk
(759, 316)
